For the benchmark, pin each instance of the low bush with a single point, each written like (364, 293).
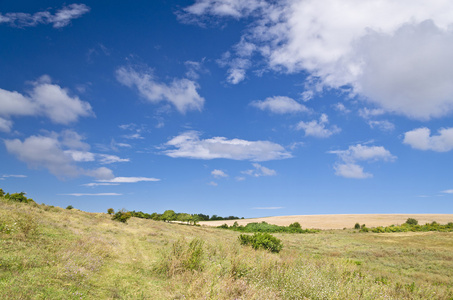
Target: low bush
(262, 240)
(357, 226)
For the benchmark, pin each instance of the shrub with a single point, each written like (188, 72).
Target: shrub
(69, 207)
(122, 216)
(357, 226)
(110, 211)
(262, 240)
(295, 225)
(412, 221)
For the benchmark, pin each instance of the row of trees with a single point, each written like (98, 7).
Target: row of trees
(171, 215)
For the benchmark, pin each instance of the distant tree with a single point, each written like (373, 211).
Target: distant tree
(69, 207)
(168, 215)
(110, 211)
(155, 216)
(19, 197)
(411, 221)
(203, 217)
(2, 193)
(295, 225)
(357, 226)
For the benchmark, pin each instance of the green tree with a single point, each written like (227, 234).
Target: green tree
(412, 221)
(69, 207)
(168, 215)
(122, 216)
(2, 193)
(110, 211)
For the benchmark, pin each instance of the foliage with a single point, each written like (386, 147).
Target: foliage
(110, 211)
(357, 226)
(2, 193)
(168, 215)
(262, 240)
(18, 197)
(266, 227)
(122, 216)
(411, 221)
(434, 226)
(69, 207)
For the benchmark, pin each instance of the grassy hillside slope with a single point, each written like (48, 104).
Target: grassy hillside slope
(54, 253)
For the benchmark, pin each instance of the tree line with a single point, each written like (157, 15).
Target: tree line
(168, 216)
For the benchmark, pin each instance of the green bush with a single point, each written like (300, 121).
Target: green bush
(412, 221)
(122, 216)
(270, 228)
(357, 226)
(295, 225)
(69, 207)
(262, 240)
(110, 211)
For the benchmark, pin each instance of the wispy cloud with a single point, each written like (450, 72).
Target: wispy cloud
(270, 207)
(129, 180)
(280, 105)
(60, 19)
(95, 194)
(218, 173)
(259, 171)
(318, 128)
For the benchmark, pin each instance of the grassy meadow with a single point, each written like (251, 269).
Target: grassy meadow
(53, 253)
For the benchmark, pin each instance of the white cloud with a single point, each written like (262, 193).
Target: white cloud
(351, 170)
(110, 159)
(395, 54)
(92, 184)
(259, 171)
(230, 8)
(189, 145)
(45, 99)
(5, 125)
(270, 207)
(213, 183)
(181, 93)
(383, 125)
(60, 19)
(96, 194)
(447, 192)
(280, 105)
(421, 139)
(218, 173)
(51, 152)
(348, 166)
(14, 176)
(341, 108)
(129, 179)
(318, 129)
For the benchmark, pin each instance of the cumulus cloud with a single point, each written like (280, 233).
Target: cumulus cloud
(259, 171)
(61, 18)
(189, 145)
(395, 54)
(280, 105)
(421, 139)
(348, 167)
(45, 99)
(51, 152)
(218, 173)
(181, 93)
(318, 128)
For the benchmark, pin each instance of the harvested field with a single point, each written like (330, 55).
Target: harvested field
(341, 221)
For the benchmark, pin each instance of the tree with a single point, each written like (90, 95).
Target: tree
(357, 226)
(168, 215)
(122, 216)
(110, 211)
(412, 221)
(2, 193)
(69, 207)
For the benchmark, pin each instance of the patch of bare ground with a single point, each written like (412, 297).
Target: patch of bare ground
(340, 221)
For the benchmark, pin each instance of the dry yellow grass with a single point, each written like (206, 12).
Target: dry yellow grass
(341, 221)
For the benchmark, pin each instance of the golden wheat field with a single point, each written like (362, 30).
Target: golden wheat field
(340, 221)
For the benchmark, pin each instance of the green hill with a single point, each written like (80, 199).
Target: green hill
(53, 253)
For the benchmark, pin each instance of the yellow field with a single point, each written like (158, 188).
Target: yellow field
(341, 221)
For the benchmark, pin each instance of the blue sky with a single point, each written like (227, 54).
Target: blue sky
(248, 108)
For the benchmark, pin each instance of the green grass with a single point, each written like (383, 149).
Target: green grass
(54, 253)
